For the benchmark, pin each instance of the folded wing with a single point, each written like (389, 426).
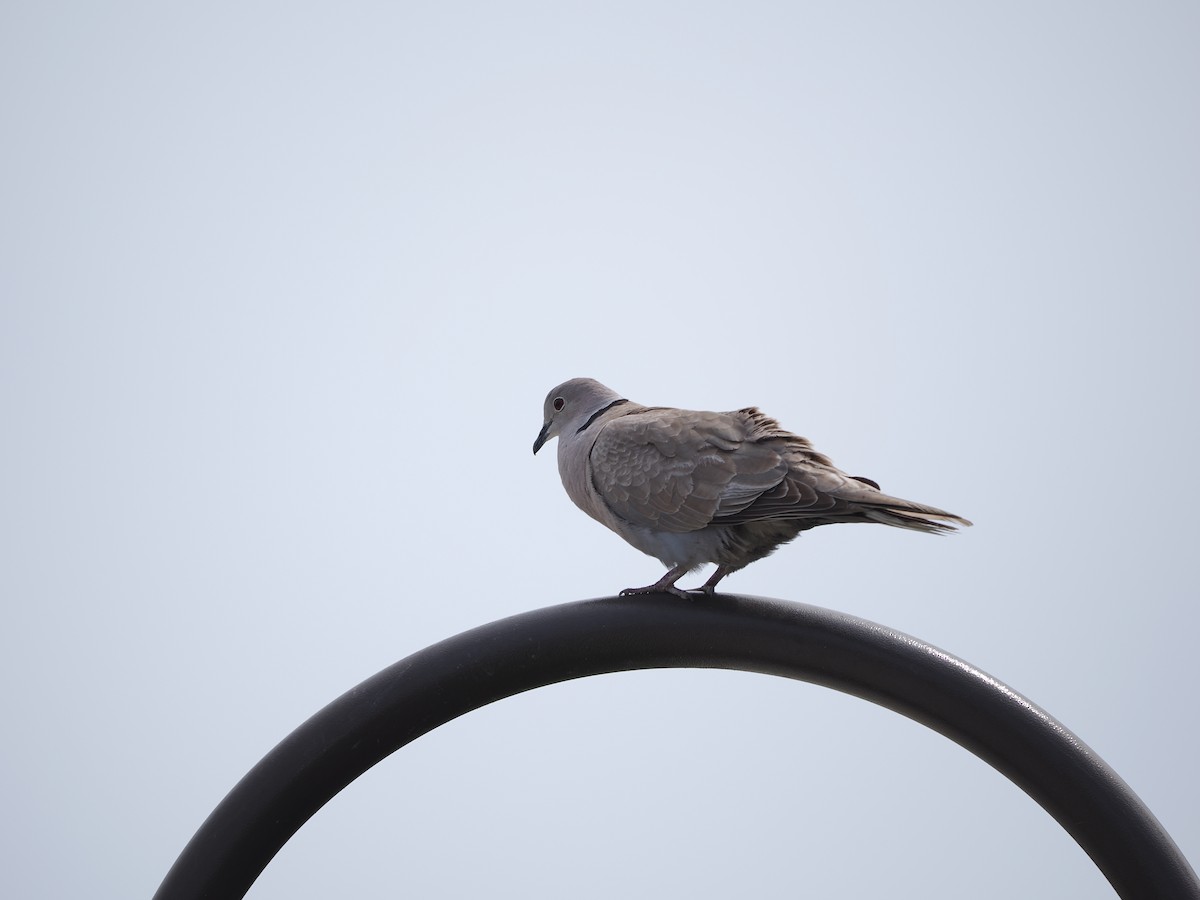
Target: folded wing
(680, 470)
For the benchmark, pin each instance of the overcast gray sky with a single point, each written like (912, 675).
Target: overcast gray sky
(284, 286)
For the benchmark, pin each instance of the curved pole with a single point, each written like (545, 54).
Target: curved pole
(593, 637)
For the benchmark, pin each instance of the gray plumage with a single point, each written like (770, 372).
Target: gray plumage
(691, 487)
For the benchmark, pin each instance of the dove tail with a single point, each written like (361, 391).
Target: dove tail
(915, 517)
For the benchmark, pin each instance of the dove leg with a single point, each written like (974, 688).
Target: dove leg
(664, 585)
(709, 586)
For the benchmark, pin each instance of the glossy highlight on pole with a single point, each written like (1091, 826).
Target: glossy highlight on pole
(595, 637)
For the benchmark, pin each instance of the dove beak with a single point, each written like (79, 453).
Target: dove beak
(541, 438)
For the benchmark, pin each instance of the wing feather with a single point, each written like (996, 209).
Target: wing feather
(680, 470)
(676, 470)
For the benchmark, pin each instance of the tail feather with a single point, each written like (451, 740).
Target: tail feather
(913, 516)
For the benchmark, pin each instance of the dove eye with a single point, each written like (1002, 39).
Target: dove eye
(559, 403)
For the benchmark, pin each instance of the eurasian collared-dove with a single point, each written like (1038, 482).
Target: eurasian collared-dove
(693, 487)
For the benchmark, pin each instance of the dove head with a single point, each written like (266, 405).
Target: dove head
(571, 406)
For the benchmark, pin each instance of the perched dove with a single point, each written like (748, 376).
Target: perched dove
(693, 487)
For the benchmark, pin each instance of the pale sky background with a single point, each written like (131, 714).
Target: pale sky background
(283, 289)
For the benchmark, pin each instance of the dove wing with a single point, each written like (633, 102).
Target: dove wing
(676, 470)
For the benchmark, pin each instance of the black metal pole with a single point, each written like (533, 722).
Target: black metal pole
(593, 637)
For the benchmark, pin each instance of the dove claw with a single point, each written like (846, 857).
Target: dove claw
(657, 589)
